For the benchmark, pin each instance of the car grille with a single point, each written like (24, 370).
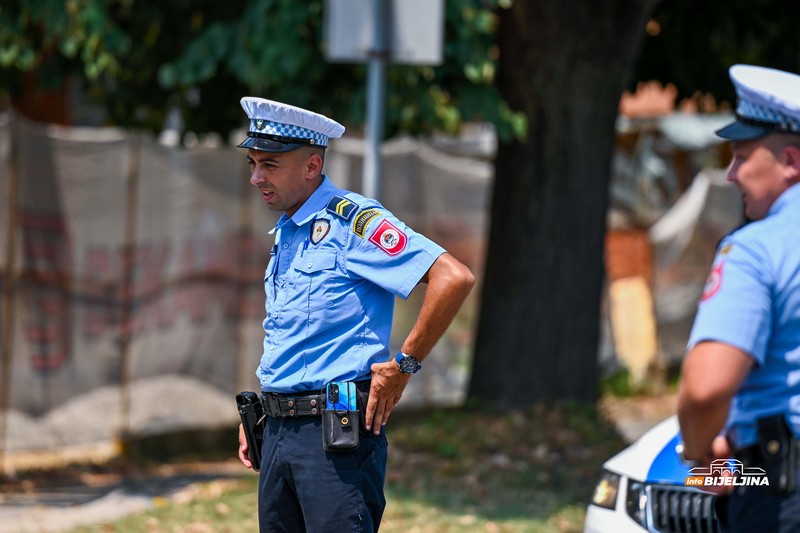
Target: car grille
(680, 510)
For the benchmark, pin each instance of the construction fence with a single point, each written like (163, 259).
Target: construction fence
(132, 275)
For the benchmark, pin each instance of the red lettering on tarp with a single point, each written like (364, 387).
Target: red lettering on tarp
(190, 296)
(124, 292)
(100, 286)
(246, 299)
(47, 272)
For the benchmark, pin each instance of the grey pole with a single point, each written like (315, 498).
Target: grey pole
(376, 88)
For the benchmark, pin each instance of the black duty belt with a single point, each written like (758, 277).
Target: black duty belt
(755, 456)
(291, 406)
(779, 461)
(303, 403)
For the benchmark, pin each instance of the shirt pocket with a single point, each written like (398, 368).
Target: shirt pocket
(315, 282)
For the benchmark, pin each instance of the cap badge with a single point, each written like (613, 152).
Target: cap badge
(260, 123)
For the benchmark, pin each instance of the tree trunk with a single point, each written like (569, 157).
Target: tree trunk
(564, 64)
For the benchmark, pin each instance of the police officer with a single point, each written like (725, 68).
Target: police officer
(338, 261)
(740, 388)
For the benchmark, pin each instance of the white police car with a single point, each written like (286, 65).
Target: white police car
(642, 489)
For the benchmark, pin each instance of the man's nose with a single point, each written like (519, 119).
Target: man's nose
(256, 177)
(730, 175)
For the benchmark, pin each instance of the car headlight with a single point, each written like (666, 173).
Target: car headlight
(605, 493)
(636, 502)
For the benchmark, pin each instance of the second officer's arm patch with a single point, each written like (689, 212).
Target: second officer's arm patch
(342, 207)
(362, 220)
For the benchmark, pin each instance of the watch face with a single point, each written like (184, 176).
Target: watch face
(409, 365)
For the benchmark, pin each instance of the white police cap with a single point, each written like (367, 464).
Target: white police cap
(768, 101)
(277, 127)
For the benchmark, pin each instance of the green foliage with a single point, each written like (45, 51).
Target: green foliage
(617, 384)
(139, 58)
(31, 32)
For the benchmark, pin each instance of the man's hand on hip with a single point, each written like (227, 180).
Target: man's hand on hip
(385, 392)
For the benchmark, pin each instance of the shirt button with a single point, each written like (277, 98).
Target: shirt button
(286, 245)
(309, 265)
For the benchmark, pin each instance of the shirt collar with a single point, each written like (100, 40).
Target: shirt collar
(788, 197)
(315, 203)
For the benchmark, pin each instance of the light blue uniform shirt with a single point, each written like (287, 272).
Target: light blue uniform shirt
(333, 274)
(752, 302)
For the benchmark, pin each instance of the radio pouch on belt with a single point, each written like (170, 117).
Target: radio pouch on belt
(779, 453)
(340, 418)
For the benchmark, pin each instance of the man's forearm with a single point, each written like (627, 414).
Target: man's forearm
(449, 283)
(700, 424)
(712, 373)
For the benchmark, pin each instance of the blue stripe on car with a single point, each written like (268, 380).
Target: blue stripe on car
(667, 467)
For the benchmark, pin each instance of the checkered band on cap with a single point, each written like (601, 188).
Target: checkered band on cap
(287, 122)
(269, 127)
(767, 97)
(754, 112)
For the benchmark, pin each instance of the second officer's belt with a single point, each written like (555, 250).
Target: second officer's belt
(291, 406)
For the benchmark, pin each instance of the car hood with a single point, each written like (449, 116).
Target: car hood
(653, 458)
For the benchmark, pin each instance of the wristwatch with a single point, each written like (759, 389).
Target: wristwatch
(408, 363)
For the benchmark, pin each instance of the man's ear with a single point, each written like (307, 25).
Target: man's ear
(313, 165)
(791, 164)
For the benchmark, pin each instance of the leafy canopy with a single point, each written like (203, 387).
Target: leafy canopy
(138, 59)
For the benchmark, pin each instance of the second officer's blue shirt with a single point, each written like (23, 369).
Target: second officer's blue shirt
(333, 274)
(752, 302)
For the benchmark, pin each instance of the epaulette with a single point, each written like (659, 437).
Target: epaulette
(342, 207)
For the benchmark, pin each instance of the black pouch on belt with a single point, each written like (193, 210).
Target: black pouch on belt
(778, 453)
(340, 417)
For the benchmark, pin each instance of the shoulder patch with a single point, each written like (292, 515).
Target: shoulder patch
(362, 220)
(389, 238)
(342, 207)
(713, 282)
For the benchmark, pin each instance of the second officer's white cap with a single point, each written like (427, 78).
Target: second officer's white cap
(768, 101)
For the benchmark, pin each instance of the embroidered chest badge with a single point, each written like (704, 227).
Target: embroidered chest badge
(389, 238)
(319, 229)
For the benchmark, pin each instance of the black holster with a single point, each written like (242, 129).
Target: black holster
(778, 453)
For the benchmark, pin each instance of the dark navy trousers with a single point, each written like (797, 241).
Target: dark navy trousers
(303, 488)
(756, 509)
